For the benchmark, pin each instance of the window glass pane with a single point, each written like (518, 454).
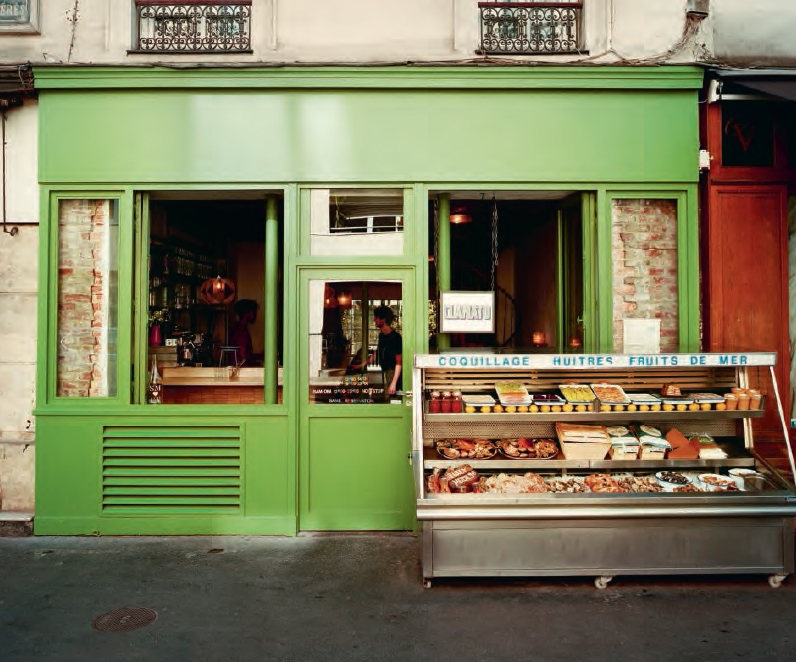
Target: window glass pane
(346, 316)
(644, 235)
(88, 240)
(14, 11)
(207, 312)
(356, 221)
(747, 134)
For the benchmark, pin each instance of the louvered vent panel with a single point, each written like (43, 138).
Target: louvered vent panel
(185, 470)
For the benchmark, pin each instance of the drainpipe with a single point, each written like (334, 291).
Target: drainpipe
(271, 303)
(443, 260)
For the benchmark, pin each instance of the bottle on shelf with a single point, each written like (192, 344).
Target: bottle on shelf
(445, 405)
(456, 402)
(155, 395)
(434, 403)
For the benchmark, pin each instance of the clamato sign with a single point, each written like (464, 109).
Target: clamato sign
(467, 312)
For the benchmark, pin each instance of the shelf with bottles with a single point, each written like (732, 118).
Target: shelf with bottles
(174, 262)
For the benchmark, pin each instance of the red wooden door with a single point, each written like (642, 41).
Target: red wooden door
(747, 281)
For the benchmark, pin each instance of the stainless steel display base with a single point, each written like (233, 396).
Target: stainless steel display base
(605, 548)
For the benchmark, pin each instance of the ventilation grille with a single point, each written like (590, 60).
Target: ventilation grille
(185, 470)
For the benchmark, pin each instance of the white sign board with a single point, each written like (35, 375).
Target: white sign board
(467, 312)
(485, 361)
(642, 336)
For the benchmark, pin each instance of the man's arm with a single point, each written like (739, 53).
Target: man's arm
(359, 366)
(398, 364)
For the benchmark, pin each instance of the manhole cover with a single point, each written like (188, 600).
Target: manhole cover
(124, 619)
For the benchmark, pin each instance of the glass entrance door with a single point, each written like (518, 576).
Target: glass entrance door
(355, 426)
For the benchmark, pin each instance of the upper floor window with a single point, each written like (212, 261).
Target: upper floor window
(531, 28)
(193, 26)
(19, 15)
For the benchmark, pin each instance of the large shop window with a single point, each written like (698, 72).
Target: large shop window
(357, 221)
(88, 241)
(747, 134)
(645, 272)
(208, 315)
(356, 341)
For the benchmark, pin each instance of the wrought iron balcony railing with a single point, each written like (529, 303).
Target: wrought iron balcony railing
(186, 26)
(521, 28)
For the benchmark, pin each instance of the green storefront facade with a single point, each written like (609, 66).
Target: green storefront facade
(287, 465)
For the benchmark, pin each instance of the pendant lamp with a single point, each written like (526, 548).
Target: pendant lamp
(460, 214)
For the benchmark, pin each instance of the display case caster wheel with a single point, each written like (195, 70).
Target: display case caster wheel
(426, 583)
(602, 581)
(775, 581)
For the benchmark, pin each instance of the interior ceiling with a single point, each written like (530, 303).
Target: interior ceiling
(506, 195)
(212, 195)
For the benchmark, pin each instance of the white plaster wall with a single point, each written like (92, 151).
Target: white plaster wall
(758, 32)
(18, 303)
(339, 31)
(647, 28)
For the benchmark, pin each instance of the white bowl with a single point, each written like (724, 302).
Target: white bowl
(715, 482)
(669, 486)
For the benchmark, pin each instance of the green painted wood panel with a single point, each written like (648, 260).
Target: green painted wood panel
(358, 476)
(238, 136)
(135, 475)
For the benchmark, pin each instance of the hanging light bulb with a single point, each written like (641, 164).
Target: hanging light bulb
(218, 287)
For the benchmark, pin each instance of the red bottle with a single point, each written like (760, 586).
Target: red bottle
(456, 403)
(445, 406)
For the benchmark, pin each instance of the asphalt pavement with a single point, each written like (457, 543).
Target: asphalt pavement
(360, 597)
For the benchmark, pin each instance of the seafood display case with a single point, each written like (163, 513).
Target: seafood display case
(598, 465)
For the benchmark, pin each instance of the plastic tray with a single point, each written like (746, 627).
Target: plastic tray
(577, 394)
(513, 394)
(610, 394)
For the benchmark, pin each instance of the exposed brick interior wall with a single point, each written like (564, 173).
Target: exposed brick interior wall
(644, 244)
(85, 267)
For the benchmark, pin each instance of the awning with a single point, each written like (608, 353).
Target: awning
(774, 82)
(16, 84)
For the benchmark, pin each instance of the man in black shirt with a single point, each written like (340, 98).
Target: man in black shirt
(389, 350)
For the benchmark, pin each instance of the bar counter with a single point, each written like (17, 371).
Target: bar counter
(215, 385)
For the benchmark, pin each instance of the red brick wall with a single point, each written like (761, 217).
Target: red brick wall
(85, 256)
(644, 246)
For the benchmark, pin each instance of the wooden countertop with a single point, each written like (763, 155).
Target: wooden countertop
(215, 377)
